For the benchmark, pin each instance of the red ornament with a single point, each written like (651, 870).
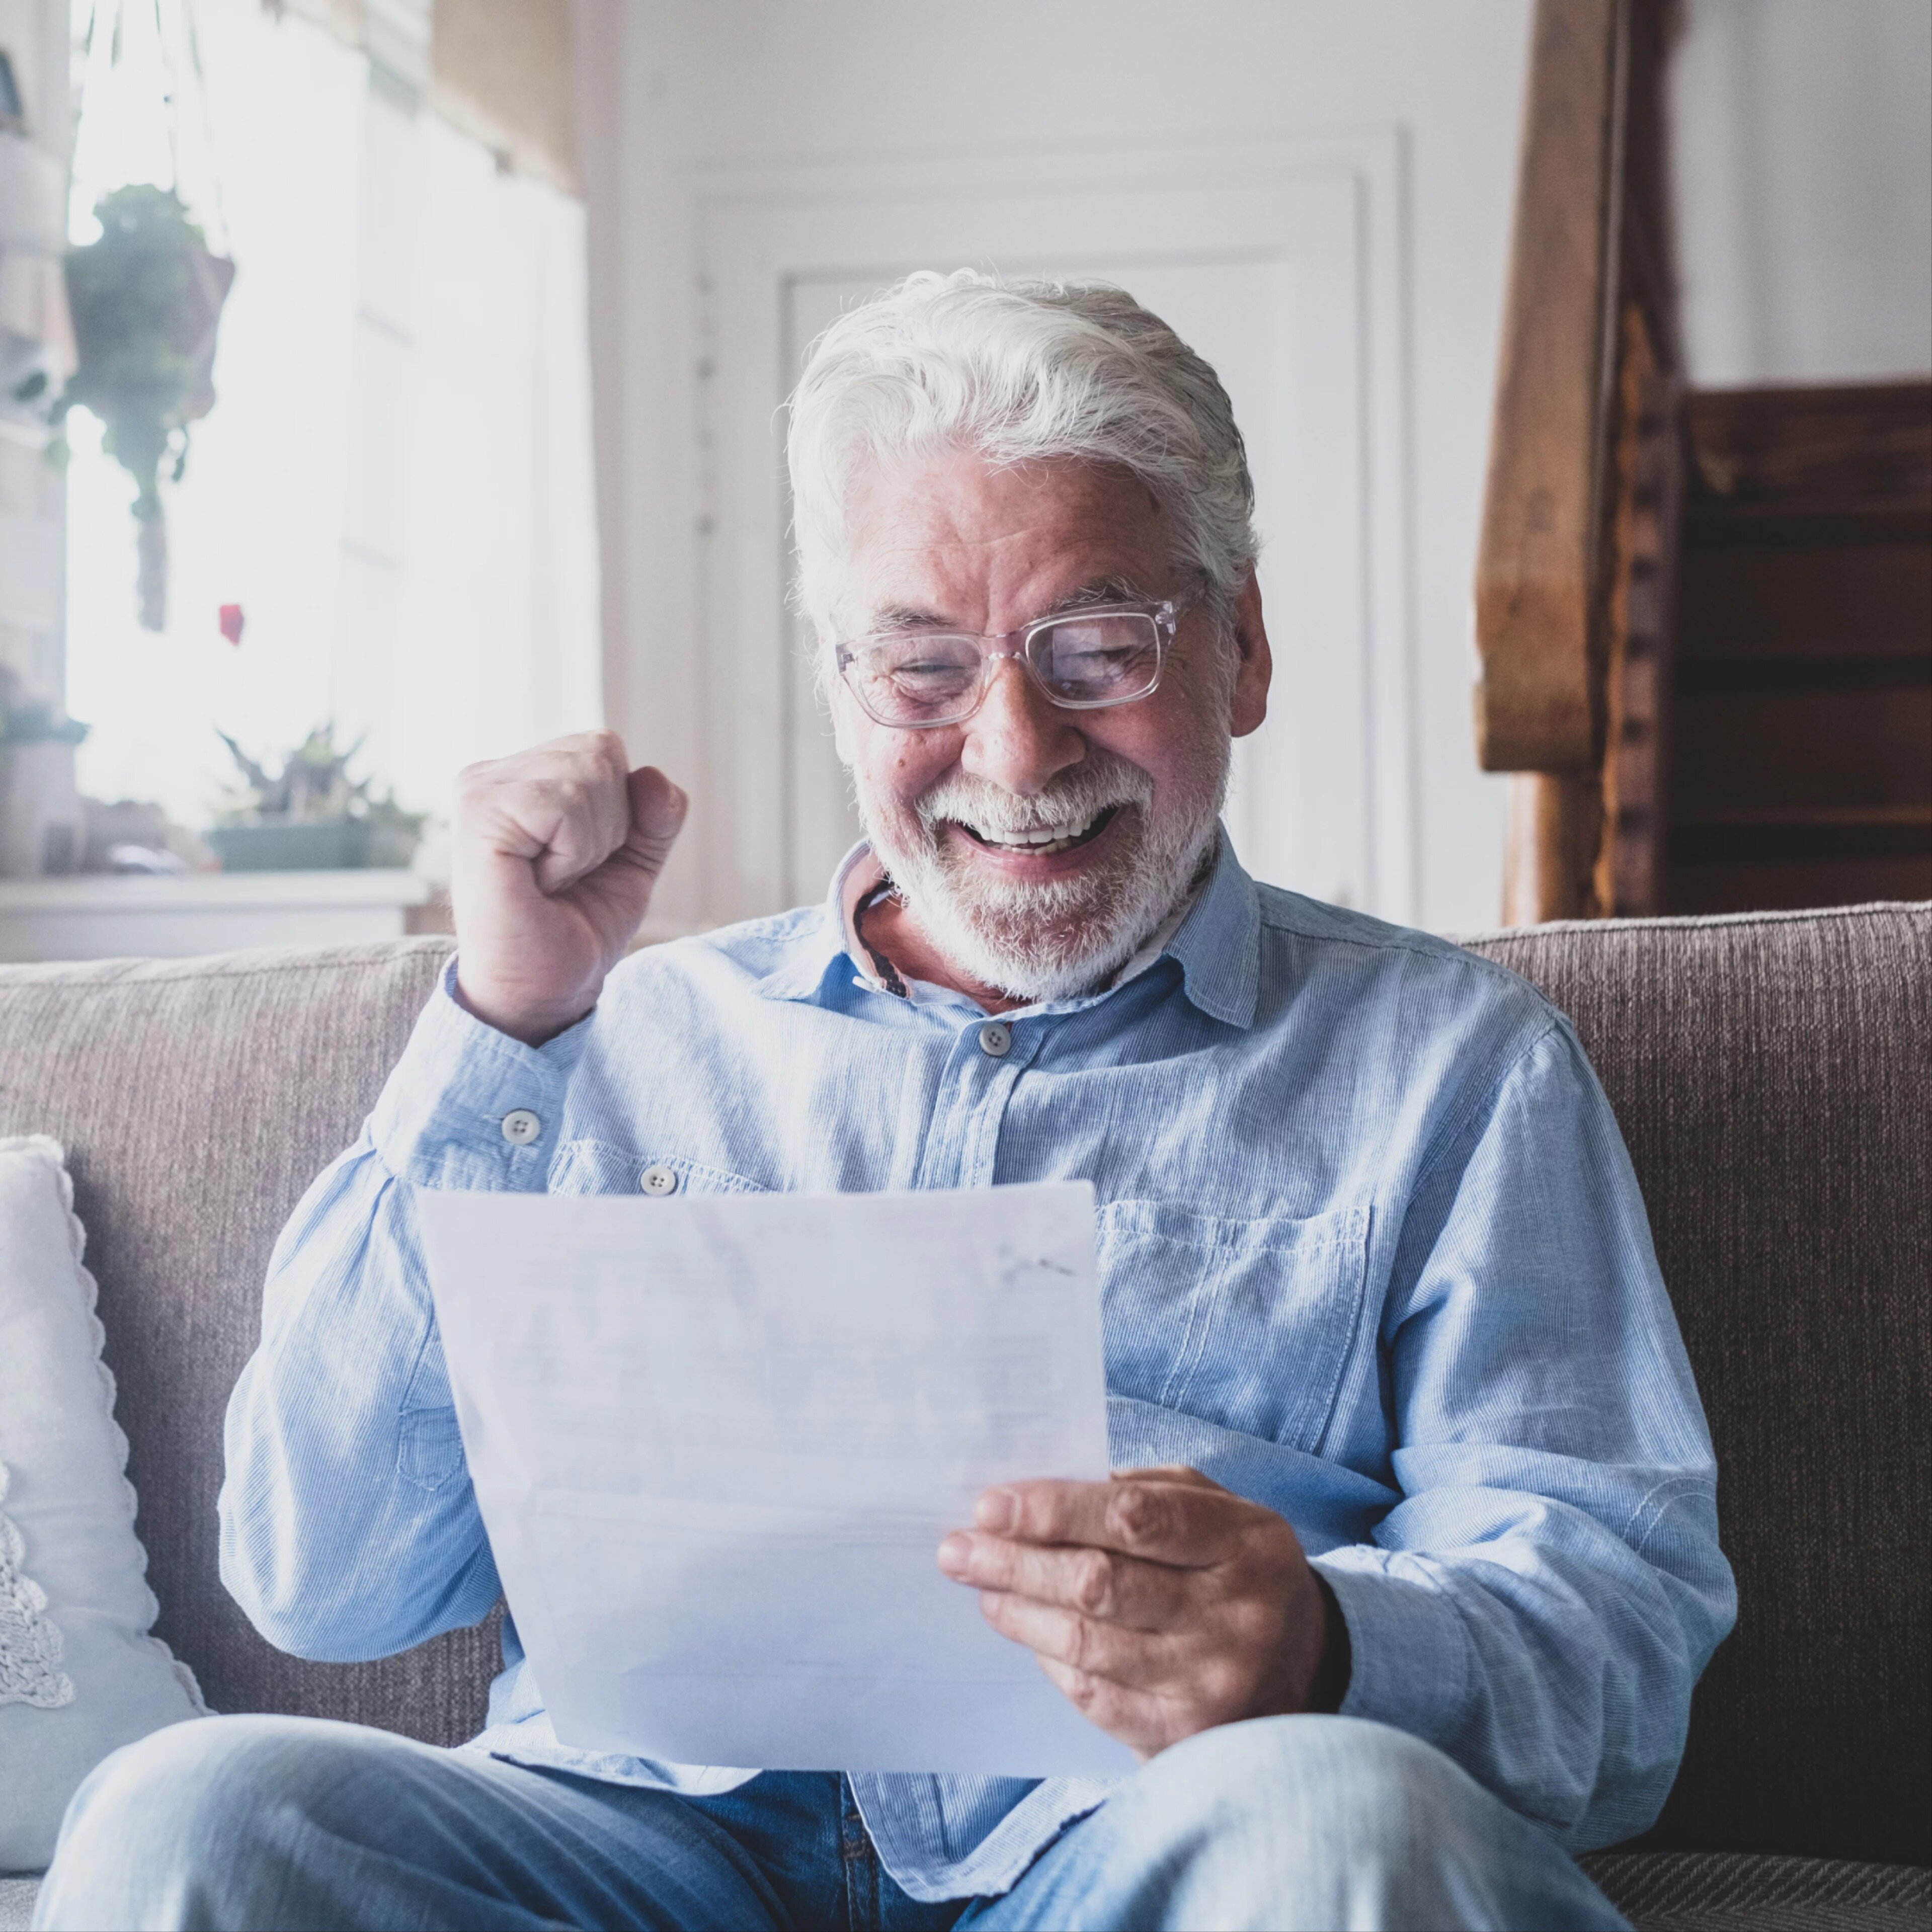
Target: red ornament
(231, 622)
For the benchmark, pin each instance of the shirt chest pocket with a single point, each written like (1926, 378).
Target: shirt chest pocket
(1244, 1323)
(596, 1167)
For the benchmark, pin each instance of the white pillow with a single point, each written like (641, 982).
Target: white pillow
(79, 1674)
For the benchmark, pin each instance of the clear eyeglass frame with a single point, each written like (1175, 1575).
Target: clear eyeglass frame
(1164, 617)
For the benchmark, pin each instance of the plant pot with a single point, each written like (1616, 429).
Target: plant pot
(392, 845)
(300, 845)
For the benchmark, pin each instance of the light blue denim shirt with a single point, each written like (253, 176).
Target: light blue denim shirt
(1371, 1254)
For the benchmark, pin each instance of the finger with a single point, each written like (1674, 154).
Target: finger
(588, 767)
(516, 806)
(602, 772)
(1140, 1659)
(584, 830)
(622, 884)
(1098, 1582)
(574, 792)
(1189, 1524)
(657, 809)
(1142, 1723)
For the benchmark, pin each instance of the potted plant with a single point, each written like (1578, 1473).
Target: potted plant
(309, 815)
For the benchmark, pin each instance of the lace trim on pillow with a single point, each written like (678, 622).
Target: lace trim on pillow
(31, 1646)
(55, 1157)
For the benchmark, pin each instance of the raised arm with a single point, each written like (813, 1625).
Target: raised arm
(349, 1529)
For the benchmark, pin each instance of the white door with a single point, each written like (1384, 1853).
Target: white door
(1263, 259)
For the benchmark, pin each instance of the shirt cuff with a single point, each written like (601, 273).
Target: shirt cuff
(1409, 1657)
(467, 1106)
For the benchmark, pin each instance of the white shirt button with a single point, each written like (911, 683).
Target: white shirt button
(658, 1180)
(996, 1040)
(521, 1126)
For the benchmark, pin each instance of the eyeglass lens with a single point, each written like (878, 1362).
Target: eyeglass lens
(926, 677)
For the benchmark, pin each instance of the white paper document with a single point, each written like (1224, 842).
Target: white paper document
(716, 1440)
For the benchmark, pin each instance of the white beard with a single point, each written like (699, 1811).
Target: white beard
(1058, 940)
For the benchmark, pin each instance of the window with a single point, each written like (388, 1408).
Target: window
(395, 483)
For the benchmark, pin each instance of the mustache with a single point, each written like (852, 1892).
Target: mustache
(1086, 788)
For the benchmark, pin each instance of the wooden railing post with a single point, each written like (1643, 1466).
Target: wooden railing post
(1573, 577)
(1534, 707)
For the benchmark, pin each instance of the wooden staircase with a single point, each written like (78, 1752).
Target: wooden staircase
(1704, 619)
(1802, 758)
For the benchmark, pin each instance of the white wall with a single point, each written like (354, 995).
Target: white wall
(676, 89)
(1804, 170)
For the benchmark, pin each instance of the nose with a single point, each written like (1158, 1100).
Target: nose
(1018, 739)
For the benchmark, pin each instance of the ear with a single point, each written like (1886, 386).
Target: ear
(1255, 670)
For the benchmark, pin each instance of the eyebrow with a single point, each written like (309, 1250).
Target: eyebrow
(1116, 590)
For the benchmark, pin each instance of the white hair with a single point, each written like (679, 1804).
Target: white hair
(1018, 372)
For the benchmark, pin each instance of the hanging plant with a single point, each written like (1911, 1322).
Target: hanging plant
(146, 299)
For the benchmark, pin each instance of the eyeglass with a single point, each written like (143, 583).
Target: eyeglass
(1082, 660)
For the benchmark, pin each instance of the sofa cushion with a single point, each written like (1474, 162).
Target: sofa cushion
(1740, 1892)
(80, 1675)
(197, 1098)
(1770, 1074)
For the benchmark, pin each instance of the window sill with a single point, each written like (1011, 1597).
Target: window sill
(104, 916)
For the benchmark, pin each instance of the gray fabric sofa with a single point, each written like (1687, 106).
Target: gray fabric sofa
(1770, 1073)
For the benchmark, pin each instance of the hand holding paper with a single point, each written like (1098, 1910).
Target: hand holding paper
(716, 1441)
(1161, 1603)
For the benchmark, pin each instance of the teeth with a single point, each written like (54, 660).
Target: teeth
(1044, 839)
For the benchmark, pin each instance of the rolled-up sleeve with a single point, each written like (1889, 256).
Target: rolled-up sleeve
(1540, 1603)
(349, 1527)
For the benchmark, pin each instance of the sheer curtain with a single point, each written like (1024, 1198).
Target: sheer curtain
(395, 484)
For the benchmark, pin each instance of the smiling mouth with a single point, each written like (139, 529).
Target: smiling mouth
(1043, 841)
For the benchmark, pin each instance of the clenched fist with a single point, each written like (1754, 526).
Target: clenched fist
(557, 851)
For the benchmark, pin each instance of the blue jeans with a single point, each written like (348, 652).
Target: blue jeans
(265, 1823)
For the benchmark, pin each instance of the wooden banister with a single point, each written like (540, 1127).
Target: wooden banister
(1574, 577)
(1534, 710)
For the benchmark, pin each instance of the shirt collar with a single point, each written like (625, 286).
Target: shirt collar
(1218, 943)
(1215, 944)
(859, 875)
(818, 945)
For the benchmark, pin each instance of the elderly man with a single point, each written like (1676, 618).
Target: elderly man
(1412, 1564)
